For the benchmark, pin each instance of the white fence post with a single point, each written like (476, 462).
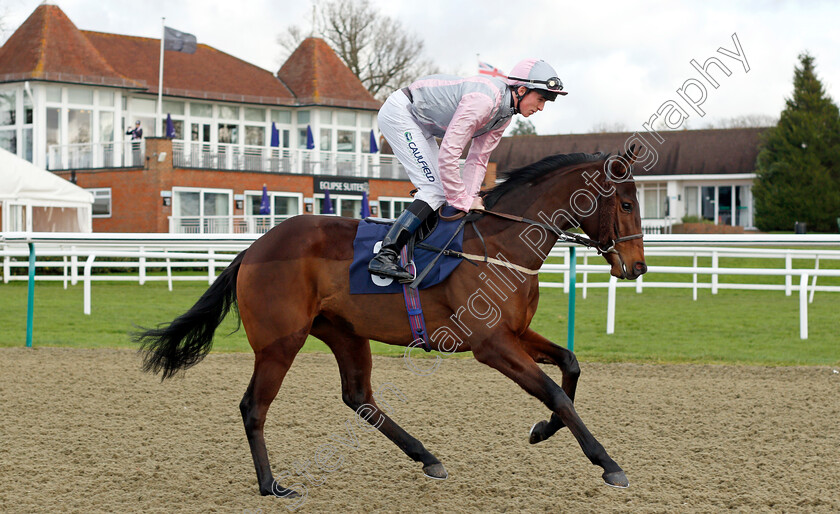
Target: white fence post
(814, 284)
(88, 266)
(788, 277)
(803, 306)
(64, 270)
(6, 269)
(611, 305)
(567, 261)
(142, 266)
(714, 275)
(694, 288)
(585, 273)
(74, 267)
(639, 282)
(211, 267)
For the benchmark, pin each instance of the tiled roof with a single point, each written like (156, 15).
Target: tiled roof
(317, 76)
(208, 73)
(684, 152)
(48, 46)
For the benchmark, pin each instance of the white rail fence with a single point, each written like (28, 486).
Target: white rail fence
(161, 257)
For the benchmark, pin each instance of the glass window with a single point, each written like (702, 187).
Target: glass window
(708, 202)
(691, 201)
(80, 95)
(326, 117)
(286, 206)
(53, 129)
(8, 140)
(347, 118)
(106, 127)
(286, 138)
(178, 125)
(284, 117)
(742, 206)
(252, 114)
(200, 132)
(143, 105)
(366, 120)
(303, 117)
(201, 110)
(350, 208)
(54, 94)
(725, 205)
(8, 107)
(216, 204)
(27, 144)
(255, 136)
(27, 109)
(188, 203)
(106, 98)
(364, 139)
(346, 141)
(79, 125)
(302, 138)
(326, 140)
(228, 112)
(172, 107)
(101, 202)
(228, 133)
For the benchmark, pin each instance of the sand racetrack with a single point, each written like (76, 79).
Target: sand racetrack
(86, 431)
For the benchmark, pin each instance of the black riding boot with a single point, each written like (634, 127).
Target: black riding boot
(387, 261)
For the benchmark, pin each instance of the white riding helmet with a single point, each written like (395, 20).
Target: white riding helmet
(536, 74)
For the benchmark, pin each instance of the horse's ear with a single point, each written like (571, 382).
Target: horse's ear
(631, 154)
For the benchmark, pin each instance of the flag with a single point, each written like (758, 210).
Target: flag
(310, 141)
(265, 205)
(326, 206)
(365, 212)
(170, 127)
(373, 147)
(489, 69)
(178, 41)
(275, 136)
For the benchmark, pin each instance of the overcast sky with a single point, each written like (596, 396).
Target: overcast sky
(618, 60)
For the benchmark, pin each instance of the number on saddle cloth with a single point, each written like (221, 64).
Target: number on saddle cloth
(434, 232)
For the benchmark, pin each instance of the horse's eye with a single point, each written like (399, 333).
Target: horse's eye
(627, 206)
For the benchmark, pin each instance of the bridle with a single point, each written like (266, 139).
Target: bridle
(602, 247)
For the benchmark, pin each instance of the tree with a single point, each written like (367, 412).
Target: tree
(799, 159)
(523, 128)
(378, 49)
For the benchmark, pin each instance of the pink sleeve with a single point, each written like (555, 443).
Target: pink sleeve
(473, 112)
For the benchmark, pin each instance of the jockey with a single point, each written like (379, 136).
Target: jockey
(457, 110)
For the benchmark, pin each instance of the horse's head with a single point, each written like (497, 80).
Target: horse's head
(617, 223)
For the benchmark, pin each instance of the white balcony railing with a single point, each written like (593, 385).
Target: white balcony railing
(223, 224)
(126, 154)
(229, 157)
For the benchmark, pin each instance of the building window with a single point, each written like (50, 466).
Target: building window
(106, 127)
(228, 112)
(8, 140)
(252, 114)
(228, 133)
(326, 140)
(282, 117)
(171, 107)
(654, 200)
(101, 202)
(201, 211)
(343, 205)
(8, 108)
(692, 202)
(346, 118)
(393, 207)
(303, 117)
(282, 204)
(346, 141)
(79, 125)
(201, 110)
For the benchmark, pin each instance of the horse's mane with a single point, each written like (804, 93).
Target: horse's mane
(513, 179)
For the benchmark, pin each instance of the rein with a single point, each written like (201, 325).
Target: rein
(601, 248)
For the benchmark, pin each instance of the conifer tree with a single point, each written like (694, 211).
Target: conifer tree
(798, 164)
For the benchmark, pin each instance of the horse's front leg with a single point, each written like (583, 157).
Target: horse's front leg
(542, 350)
(505, 354)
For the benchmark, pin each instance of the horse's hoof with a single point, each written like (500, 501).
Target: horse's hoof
(280, 492)
(616, 479)
(436, 471)
(537, 433)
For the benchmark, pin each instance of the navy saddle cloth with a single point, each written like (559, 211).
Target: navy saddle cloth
(371, 233)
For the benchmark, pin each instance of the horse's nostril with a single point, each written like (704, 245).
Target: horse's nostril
(641, 267)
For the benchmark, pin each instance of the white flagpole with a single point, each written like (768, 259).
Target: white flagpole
(160, 75)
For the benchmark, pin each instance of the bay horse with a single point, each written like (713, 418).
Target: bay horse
(293, 281)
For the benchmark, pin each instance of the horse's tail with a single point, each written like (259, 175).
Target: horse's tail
(187, 339)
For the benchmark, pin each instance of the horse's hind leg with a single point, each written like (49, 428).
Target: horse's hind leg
(354, 363)
(542, 350)
(270, 367)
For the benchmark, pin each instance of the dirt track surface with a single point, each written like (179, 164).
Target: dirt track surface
(86, 431)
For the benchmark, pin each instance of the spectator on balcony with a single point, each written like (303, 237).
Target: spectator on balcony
(136, 132)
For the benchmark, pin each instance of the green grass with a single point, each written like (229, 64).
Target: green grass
(659, 325)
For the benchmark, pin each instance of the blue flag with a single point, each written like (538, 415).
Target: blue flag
(310, 141)
(265, 204)
(373, 147)
(170, 127)
(365, 212)
(178, 41)
(275, 136)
